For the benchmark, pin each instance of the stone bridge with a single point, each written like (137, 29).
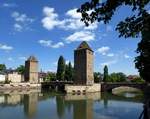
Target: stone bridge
(109, 86)
(56, 85)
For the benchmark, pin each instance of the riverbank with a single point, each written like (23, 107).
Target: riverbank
(18, 86)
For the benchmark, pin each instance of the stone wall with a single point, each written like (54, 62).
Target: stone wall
(89, 96)
(80, 67)
(89, 67)
(14, 77)
(2, 78)
(83, 89)
(83, 64)
(20, 86)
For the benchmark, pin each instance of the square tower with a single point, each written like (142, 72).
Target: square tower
(31, 70)
(83, 65)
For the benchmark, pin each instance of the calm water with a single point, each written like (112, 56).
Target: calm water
(36, 105)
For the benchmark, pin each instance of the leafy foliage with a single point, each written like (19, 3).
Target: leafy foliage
(97, 77)
(117, 77)
(51, 76)
(21, 69)
(133, 26)
(60, 69)
(130, 27)
(2, 67)
(142, 62)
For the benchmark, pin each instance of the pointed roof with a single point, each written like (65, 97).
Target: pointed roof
(84, 45)
(32, 58)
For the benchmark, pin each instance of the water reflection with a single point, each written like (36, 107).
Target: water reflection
(36, 105)
(84, 104)
(30, 104)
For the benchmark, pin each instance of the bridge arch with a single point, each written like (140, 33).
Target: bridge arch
(109, 86)
(123, 89)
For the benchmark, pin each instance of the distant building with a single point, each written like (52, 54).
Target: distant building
(83, 65)
(10, 70)
(132, 77)
(42, 76)
(14, 77)
(31, 70)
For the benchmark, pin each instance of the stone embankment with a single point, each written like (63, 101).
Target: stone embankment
(17, 86)
(77, 89)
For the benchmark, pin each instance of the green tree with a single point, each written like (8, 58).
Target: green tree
(60, 69)
(21, 69)
(117, 77)
(69, 72)
(97, 77)
(136, 25)
(2, 67)
(142, 62)
(106, 76)
(51, 76)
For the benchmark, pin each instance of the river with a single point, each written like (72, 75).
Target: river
(44, 105)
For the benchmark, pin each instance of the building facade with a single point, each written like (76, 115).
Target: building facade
(2, 77)
(14, 77)
(83, 65)
(31, 70)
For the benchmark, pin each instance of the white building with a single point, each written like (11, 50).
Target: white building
(2, 78)
(14, 77)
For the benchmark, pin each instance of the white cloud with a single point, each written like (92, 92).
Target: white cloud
(22, 58)
(9, 5)
(5, 47)
(21, 17)
(22, 21)
(73, 13)
(71, 22)
(126, 56)
(110, 54)
(48, 43)
(10, 59)
(18, 27)
(103, 50)
(57, 45)
(80, 36)
(74, 21)
(51, 18)
(109, 63)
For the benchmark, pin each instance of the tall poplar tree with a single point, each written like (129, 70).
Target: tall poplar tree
(60, 69)
(69, 72)
(105, 78)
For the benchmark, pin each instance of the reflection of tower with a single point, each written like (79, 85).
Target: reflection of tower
(30, 104)
(31, 70)
(83, 109)
(83, 64)
(60, 106)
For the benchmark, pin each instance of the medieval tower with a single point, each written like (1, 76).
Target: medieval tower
(31, 70)
(83, 65)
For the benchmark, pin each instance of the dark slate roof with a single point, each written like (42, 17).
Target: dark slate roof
(84, 45)
(32, 58)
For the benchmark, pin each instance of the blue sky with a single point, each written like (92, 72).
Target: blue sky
(50, 28)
